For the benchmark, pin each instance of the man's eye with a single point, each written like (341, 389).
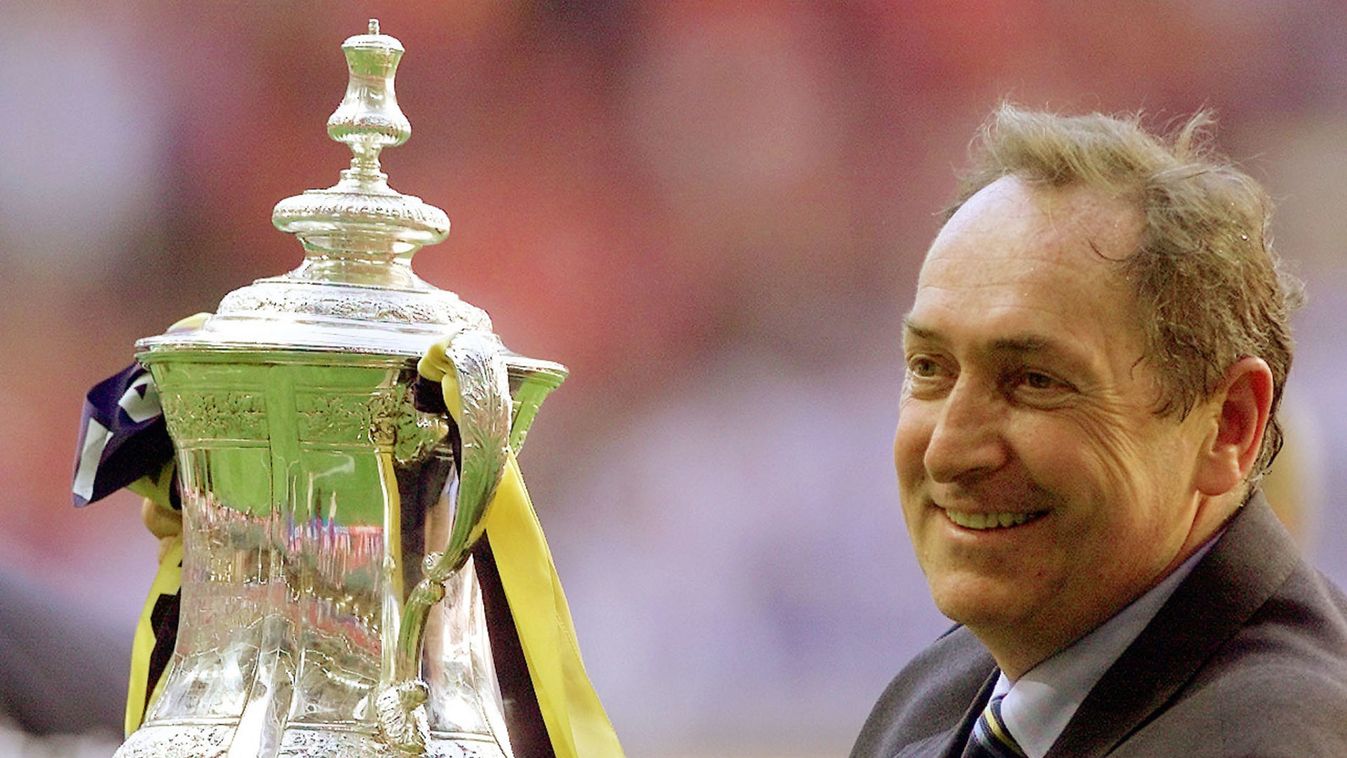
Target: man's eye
(1037, 380)
(923, 368)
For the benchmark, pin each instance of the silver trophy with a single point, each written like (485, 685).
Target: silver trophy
(328, 602)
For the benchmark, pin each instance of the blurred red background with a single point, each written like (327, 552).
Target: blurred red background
(712, 212)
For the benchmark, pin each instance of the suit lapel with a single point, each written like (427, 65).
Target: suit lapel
(950, 743)
(1241, 572)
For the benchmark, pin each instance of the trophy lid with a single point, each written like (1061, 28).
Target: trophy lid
(355, 290)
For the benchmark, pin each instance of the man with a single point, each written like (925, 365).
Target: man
(1095, 356)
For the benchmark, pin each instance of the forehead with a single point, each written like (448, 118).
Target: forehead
(1042, 261)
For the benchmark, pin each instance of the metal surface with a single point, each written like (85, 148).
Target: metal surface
(324, 515)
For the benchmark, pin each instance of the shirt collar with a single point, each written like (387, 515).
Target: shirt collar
(1038, 705)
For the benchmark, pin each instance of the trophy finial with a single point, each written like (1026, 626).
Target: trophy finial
(361, 217)
(369, 119)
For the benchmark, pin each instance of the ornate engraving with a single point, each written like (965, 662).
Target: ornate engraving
(334, 418)
(403, 210)
(386, 418)
(417, 435)
(185, 740)
(388, 413)
(219, 415)
(313, 743)
(172, 740)
(411, 433)
(347, 304)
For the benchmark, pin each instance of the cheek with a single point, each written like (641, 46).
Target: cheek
(909, 445)
(1096, 458)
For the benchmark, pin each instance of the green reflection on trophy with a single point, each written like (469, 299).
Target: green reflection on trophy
(328, 606)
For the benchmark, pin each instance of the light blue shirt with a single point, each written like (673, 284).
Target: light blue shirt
(1039, 704)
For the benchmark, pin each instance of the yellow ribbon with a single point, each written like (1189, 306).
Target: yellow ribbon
(576, 723)
(166, 582)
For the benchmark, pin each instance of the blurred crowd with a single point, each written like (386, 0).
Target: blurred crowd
(713, 213)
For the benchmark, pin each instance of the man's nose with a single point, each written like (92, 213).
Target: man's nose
(967, 439)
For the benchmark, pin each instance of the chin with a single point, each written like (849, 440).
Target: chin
(977, 607)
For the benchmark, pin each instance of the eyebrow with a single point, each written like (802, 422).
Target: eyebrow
(1024, 344)
(910, 328)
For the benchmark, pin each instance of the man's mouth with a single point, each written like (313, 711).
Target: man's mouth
(980, 520)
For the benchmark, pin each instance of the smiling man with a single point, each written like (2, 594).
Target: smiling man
(1094, 360)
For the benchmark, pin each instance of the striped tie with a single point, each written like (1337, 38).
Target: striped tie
(990, 738)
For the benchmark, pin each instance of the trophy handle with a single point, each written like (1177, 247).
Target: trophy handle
(477, 366)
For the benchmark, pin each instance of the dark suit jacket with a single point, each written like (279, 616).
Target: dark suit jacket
(1247, 658)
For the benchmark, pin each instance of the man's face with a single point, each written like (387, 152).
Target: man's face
(1040, 489)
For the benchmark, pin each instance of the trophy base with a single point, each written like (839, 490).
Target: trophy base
(212, 740)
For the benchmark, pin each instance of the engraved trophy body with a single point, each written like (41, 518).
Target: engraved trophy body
(324, 515)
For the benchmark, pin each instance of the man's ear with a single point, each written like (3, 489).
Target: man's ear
(1245, 406)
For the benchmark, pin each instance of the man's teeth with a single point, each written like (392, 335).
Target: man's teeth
(970, 520)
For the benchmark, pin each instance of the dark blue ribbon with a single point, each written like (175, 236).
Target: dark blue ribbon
(122, 438)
